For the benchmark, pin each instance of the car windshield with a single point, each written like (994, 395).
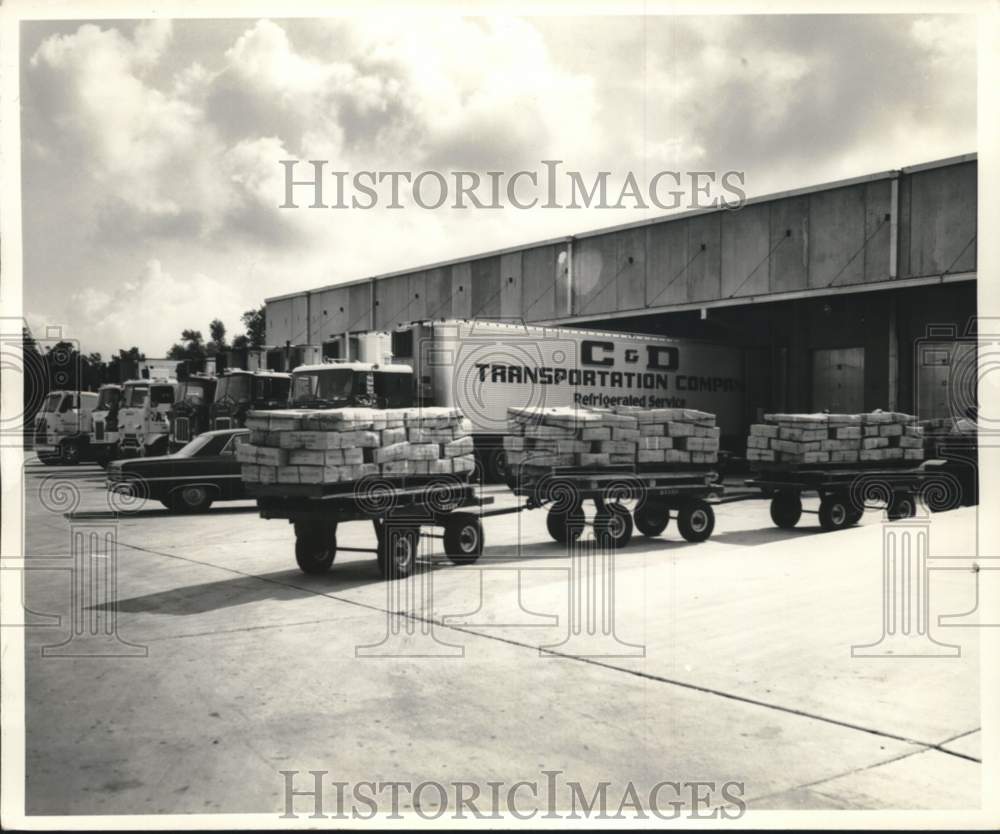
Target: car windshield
(332, 386)
(233, 388)
(52, 402)
(107, 399)
(135, 396)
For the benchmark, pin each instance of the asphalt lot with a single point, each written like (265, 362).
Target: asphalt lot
(729, 660)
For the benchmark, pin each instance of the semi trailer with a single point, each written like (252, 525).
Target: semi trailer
(63, 427)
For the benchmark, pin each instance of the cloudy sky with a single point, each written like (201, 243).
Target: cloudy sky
(150, 150)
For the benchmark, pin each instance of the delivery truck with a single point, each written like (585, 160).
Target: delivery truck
(105, 436)
(189, 415)
(63, 427)
(143, 416)
(238, 391)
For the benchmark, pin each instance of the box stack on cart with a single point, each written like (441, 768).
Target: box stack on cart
(620, 437)
(872, 439)
(570, 437)
(342, 445)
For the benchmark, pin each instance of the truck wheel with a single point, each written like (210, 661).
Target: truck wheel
(315, 547)
(463, 538)
(565, 527)
(834, 512)
(190, 499)
(696, 520)
(613, 526)
(69, 453)
(902, 505)
(786, 510)
(652, 518)
(397, 551)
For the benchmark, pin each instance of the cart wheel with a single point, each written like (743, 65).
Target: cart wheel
(397, 551)
(565, 527)
(652, 518)
(855, 514)
(463, 538)
(786, 509)
(834, 512)
(315, 546)
(902, 505)
(613, 526)
(696, 520)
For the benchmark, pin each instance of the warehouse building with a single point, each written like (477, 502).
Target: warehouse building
(835, 293)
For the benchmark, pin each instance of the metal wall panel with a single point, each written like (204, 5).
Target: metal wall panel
(278, 321)
(330, 313)
(631, 280)
(942, 220)
(839, 380)
(360, 306)
(539, 292)
(595, 269)
(878, 230)
(485, 288)
(437, 288)
(745, 242)
(836, 237)
(418, 297)
(300, 320)
(510, 285)
(392, 301)
(666, 263)
(789, 244)
(461, 290)
(704, 278)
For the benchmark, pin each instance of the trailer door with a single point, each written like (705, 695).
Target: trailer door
(839, 380)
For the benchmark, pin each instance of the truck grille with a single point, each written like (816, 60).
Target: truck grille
(130, 440)
(99, 430)
(182, 429)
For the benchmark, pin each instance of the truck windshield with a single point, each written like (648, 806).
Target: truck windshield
(192, 393)
(322, 387)
(161, 394)
(52, 402)
(235, 388)
(107, 399)
(135, 396)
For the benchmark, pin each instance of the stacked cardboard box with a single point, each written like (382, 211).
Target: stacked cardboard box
(337, 445)
(570, 437)
(815, 439)
(674, 436)
(622, 436)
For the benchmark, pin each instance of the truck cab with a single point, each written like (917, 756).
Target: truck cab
(63, 427)
(189, 415)
(143, 416)
(105, 435)
(352, 384)
(238, 391)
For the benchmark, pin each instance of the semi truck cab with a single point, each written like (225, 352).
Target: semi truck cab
(63, 427)
(189, 415)
(143, 416)
(105, 435)
(352, 384)
(238, 391)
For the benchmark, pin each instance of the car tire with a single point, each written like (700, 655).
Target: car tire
(565, 526)
(190, 499)
(652, 518)
(696, 520)
(315, 547)
(613, 526)
(463, 538)
(786, 510)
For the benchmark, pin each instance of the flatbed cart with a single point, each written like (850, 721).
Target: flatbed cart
(658, 494)
(843, 491)
(397, 510)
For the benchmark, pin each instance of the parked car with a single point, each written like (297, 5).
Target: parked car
(189, 480)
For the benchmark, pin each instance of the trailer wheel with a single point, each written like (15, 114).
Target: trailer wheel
(834, 512)
(855, 514)
(696, 520)
(613, 526)
(496, 466)
(69, 453)
(786, 509)
(397, 551)
(565, 526)
(902, 505)
(652, 518)
(463, 538)
(315, 546)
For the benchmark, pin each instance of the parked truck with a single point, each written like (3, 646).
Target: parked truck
(189, 415)
(239, 391)
(105, 435)
(484, 367)
(143, 416)
(63, 427)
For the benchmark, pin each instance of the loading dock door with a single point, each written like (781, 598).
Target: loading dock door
(839, 380)
(945, 379)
